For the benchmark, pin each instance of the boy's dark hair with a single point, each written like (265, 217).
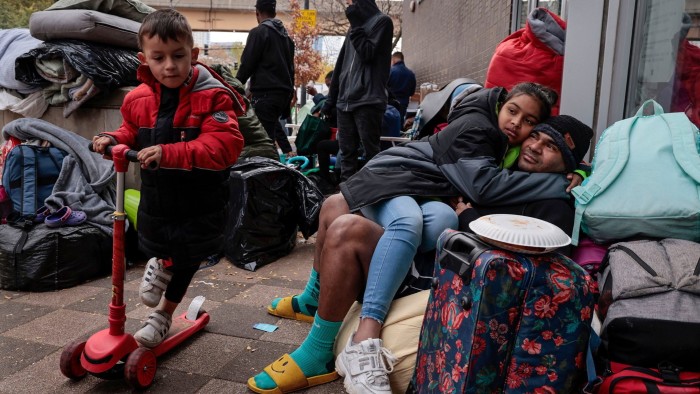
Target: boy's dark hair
(546, 96)
(330, 75)
(167, 24)
(398, 55)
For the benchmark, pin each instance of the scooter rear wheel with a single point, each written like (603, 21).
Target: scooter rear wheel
(140, 368)
(70, 361)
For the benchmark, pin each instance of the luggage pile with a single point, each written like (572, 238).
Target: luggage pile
(57, 200)
(642, 205)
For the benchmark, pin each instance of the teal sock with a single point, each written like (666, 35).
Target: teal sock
(314, 356)
(307, 301)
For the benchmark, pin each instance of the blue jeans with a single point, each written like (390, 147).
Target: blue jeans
(408, 224)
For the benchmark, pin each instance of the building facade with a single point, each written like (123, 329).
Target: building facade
(618, 53)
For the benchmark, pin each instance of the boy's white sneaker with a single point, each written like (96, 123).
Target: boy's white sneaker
(365, 366)
(155, 281)
(154, 330)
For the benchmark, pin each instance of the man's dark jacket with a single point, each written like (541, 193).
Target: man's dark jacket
(268, 59)
(462, 159)
(362, 68)
(402, 84)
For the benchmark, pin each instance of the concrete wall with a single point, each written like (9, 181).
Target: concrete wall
(447, 39)
(93, 117)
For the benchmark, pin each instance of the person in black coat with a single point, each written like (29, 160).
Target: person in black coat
(358, 89)
(268, 61)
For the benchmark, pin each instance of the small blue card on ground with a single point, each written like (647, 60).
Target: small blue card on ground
(265, 327)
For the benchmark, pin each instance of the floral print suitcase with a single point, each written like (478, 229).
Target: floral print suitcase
(503, 322)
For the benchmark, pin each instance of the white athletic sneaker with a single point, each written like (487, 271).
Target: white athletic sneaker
(365, 366)
(154, 330)
(155, 280)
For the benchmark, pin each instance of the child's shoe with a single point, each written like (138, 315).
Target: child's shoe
(155, 280)
(365, 366)
(154, 330)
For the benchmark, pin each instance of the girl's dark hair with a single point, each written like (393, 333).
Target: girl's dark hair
(546, 96)
(167, 24)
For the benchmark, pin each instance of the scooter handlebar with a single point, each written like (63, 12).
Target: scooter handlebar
(130, 154)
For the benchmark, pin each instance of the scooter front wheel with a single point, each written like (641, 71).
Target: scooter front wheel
(70, 361)
(140, 368)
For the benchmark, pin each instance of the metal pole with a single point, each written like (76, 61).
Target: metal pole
(302, 102)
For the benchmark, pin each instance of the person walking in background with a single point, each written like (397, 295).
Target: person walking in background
(402, 82)
(268, 60)
(358, 88)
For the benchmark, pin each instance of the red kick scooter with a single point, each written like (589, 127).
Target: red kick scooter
(112, 353)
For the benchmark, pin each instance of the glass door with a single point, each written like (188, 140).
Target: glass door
(665, 58)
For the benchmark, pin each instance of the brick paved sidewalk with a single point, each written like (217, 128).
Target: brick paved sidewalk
(34, 327)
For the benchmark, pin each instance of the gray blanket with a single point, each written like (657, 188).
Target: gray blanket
(86, 181)
(13, 43)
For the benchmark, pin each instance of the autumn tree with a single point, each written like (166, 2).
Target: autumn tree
(16, 13)
(307, 60)
(333, 22)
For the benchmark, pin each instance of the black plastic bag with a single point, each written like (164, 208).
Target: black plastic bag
(40, 258)
(269, 202)
(107, 66)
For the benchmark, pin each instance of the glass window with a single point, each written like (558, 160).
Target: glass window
(666, 57)
(552, 5)
(522, 8)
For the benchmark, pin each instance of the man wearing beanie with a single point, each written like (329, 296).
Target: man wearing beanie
(358, 88)
(352, 240)
(268, 60)
(556, 145)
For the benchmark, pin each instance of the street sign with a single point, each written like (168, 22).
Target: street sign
(307, 17)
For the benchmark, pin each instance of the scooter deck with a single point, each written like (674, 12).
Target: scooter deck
(181, 329)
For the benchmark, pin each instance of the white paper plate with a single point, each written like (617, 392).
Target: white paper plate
(521, 234)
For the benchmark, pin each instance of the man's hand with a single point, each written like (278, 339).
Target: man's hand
(574, 179)
(461, 207)
(99, 143)
(311, 90)
(149, 155)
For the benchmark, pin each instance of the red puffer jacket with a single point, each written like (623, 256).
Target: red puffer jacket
(182, 206)
(532, 54)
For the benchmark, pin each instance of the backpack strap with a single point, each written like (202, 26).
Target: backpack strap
(684, 144)
(617, 142)
(29, 180)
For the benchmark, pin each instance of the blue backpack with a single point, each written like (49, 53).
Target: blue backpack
(29, 175)
(645, 181)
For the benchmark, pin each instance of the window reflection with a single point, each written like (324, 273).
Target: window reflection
(666, 57)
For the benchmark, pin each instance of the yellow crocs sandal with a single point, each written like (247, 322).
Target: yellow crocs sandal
(288, 377)
(286, 310)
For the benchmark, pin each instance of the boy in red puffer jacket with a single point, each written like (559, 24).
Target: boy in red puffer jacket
(183, 118)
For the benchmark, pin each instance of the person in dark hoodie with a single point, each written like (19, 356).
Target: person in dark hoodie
(358, 88)
(268, 60)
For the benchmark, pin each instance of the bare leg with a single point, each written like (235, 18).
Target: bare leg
(347, 249)
(349, 244)
(332, 208)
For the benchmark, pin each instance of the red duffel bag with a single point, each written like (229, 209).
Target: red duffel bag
(627, 379)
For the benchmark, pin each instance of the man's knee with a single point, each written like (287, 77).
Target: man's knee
(350, 232)
(333, 207)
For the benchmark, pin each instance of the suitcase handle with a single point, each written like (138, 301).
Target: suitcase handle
(459, 252)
